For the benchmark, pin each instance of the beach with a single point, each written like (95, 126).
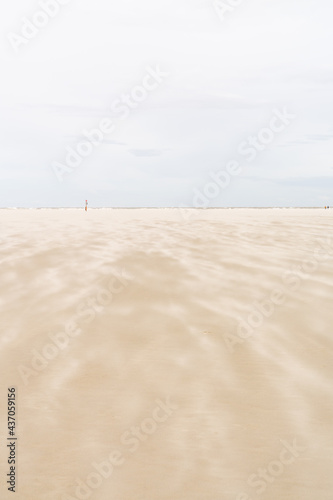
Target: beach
(160, 354)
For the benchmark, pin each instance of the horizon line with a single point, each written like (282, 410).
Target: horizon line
(164, 208)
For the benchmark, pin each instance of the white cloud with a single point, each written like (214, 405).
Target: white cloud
(225, 79)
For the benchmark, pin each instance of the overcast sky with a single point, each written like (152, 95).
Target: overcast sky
(224, 78)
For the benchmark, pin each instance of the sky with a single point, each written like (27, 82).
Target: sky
(186, 91)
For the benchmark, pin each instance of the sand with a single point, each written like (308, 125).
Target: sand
(168, 354)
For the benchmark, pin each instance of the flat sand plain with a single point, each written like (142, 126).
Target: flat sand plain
(168, 354)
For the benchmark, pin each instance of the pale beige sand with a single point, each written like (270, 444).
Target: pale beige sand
(185, 286)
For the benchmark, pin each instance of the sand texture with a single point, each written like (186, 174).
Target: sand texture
(168, 354)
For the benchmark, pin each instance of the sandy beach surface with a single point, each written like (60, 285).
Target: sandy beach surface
(167, 354)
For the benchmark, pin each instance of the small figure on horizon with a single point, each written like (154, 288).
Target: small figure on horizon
(86, 207)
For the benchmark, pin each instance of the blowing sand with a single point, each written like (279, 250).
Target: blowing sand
(157, 357)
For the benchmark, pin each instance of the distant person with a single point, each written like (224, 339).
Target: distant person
(86, 207)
